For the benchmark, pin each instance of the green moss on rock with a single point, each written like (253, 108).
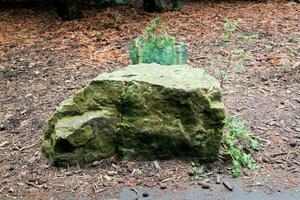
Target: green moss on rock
(143, 112)
(81, 138)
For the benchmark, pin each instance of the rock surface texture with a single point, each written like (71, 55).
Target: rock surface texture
(142, 112)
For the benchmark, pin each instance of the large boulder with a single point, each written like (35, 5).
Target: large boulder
(142, 112)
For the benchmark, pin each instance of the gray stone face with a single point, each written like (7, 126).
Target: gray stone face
(142, 112)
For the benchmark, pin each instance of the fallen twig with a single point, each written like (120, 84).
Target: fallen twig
(137, 193)
(166, 180)
(2, 189)
(32, 145)
(4, 143)
(284, 153)
(229, 187)
(34, 185)
(279, 154)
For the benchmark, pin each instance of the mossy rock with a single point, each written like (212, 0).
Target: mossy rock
(142, 112)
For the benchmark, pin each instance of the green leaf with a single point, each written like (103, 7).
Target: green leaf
(236, 131)
(226, 37)
(236, 169)
(230, 26)
(249, 38)
(254, 144)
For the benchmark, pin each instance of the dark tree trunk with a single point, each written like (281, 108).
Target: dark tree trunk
(69, 9)
(176, 4)
(160, 5)
(153, 5)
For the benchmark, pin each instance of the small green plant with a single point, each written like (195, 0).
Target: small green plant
(238, 144)
(222, 72)
(240, 67)
(233, 56)
(198, 170)
(241, 53)
(156, 45)
(229, 27)
(249, 38)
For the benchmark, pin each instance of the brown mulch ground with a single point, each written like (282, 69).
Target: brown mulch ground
(44, 60)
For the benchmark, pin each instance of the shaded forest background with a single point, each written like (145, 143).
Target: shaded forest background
(72, 9)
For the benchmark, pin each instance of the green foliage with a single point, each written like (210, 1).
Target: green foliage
(229, 27)
(227, 37)
(159, 50)
(235, 54)
(157, 28)
(238, 143)
(155, 45)
(241, 53)
(249, 38)
(254, 144)
(223, 73)
(198, 170)
(240, 67)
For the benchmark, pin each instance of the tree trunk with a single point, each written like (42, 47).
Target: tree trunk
(154, 5)
(160, 5)
(69, 9)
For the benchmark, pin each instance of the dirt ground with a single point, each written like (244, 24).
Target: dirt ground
(44, 60)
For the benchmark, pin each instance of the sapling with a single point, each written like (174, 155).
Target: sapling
(235, 55)
(156, 45)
